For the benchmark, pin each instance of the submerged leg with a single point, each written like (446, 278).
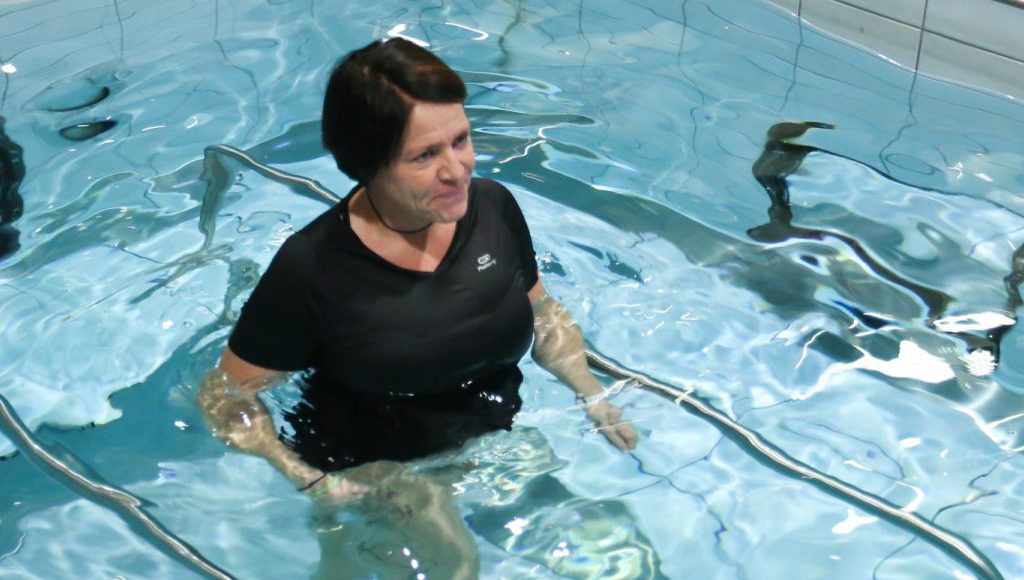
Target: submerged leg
(408, 526)
(524, 509)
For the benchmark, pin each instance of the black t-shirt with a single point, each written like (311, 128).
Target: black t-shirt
(395, 352)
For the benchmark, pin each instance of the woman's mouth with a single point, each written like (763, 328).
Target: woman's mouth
(451, 193)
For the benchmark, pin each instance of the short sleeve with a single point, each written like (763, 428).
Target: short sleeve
(276, 329)
(523, 242)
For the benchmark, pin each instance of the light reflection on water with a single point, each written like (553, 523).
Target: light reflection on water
(629, 133)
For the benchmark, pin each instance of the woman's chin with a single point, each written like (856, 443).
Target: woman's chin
(451, 210)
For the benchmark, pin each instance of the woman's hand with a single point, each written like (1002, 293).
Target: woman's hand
(607, 419)
(558, 348)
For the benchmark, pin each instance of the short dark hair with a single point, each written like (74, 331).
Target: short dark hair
(370, 96)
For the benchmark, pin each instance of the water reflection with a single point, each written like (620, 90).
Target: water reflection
(86, 131)
(12, 173)
(519, 504)
(781, 158)
(80, 91)
(907, 358)
(877, 299)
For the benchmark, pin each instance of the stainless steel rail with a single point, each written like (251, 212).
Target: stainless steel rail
(957, 548)
(271, 173)
(128, 507)
(954, 546)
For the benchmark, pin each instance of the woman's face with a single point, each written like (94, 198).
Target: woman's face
(430, 177)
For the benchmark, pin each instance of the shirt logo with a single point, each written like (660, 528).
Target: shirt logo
(484, 262)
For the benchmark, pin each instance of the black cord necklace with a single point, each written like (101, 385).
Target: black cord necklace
(366, 191)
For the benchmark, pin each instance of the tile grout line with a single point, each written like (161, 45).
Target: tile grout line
(920, 44)
(922, 28)
(870, 11)
(974, 46)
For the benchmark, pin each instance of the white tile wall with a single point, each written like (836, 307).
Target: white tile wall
(906, 11)
(790, 5)
(955, 61)
(986, 24)
(979, 43)
(889, 39)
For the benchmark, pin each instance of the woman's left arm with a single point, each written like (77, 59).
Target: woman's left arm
(558, 348)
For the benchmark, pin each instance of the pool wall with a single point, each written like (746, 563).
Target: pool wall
(971, 42)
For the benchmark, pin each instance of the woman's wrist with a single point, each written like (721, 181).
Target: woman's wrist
(595, 397)
(312, 482)
(588, 401)
(297, 471)
(586, 385)
(329, 482)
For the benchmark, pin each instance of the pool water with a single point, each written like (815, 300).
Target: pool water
(629, 133)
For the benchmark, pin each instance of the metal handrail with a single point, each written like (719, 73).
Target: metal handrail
(954, 546)
(949, 543)
(127, 506)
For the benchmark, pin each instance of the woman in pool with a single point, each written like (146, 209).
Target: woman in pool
(412, 300)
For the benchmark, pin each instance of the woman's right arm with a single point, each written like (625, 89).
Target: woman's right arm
(276, 326)
(228, 402)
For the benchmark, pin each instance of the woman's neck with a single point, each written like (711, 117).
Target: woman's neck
(380, 208)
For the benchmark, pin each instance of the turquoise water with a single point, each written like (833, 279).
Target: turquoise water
(628, 132)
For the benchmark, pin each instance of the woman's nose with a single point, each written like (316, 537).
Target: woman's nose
(452, 167)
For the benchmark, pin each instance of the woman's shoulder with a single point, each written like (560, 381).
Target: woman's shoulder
(323, 225)
(488, 186)
(300, 252)
(491, 193)
(321, 233)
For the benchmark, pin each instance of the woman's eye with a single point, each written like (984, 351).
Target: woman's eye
(423, 156)
(461, 139)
